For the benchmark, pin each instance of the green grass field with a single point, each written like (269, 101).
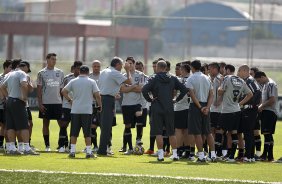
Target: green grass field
(122, 164)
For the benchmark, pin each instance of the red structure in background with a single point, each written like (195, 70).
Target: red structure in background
(75, 30)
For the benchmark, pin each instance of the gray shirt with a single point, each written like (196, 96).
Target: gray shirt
(233, 87)
(51, 82)
(201, 85)
(110, 81)
(217, 101)
(13, 82)
(96, 78)
(270, 89)
(2, 100)
(67, 79)
(82, 99)
(184, 103)
(134, 98)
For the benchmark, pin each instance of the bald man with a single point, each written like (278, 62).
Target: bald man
(249, 113)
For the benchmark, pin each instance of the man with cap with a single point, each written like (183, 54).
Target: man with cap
(15, 86)
(109, 84)
(81, 109)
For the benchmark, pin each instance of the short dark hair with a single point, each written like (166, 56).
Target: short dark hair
(15, 63)
(186, 67)
(196, 64)
(50, 55)
(215, 65)
(77, 63)
(178, 64)
(204, 67)
(139, 63)
(255, 69)
(186, 62)
(130, 58)
(7, 63)
(84, 69)
(115, 61)
(230, 67)
(259, 74)
(167, 65)
(222, 64)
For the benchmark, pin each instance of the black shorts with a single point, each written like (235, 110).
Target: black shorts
(80, 121)
(230, 121)
(16, 114)
(258, 122)
(268, 122)
(198, 123)
(29, 116)
(161, 121)
(215, 118)
(96, 116)
(128, 113)
(53, 112)
(66, 115)
(142, 120)
(2, 116)
(247, 120)
(181, 119)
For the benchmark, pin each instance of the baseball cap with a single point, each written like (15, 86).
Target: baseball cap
(25, 63)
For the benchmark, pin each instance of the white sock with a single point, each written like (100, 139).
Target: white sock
(201, 155)
(258, 153)
(8, 146)
(26, 146)
(160, 153)
(213, 155)
(21, 146)
(174, 152)
(224, 152)
(72, 148)
(12, 146)
(88, 150)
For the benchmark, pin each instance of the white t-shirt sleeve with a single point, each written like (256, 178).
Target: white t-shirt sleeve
(68, 87)
(189, 84)
(118, 77)
(23, 77)
(62, 80)
(95, 87)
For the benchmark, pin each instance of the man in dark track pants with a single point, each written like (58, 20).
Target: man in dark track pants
(162, 86)
(109, 84)
(249, 113)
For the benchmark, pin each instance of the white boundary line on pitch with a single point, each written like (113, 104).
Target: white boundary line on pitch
(136, 175)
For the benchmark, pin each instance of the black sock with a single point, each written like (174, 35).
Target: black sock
(218, 144)
(192, 151)
(62, 136)
(139, 130)
(94, 137)
(234, 145)
(205, 146)
(46, 140)
(128, 137)
(110, 141)
(258, 142)
(224, 142)
(1, 140)
(66, 143)
(29, 141)
(124, 140)
(267, 141)
(180, 151)
(270, 149)
(186, 150)
(152, 142)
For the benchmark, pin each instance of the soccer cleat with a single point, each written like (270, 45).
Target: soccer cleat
(122, 149)
(62, 150)
(201, 160)
(128, 152)
(47, 149)
(173, 158)
(67, 149)
(149, 152)
(160, 159)
(213, 159)
(72, 155)
(30, 152)
(239, 159)
(230, 160)
(247, 160)
(14, 152)
(278, 161)
(110, 151)
(191, 158)
(91, 155)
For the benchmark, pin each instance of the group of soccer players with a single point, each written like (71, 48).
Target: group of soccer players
(241, 105)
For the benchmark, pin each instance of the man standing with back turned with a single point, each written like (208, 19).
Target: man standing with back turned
(162, 86)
